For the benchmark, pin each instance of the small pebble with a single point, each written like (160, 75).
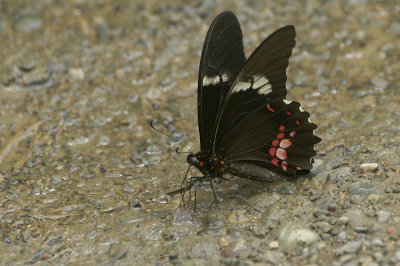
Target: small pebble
(76, 73)
(350, 248)
(374, 198)
(291, 237)
(361, 230)
(383, 216)
(29, 24)
(324, 227)
(134, 204)
(391, 230)
(396, 257)
(396, 190)
(369, 167)
(357, 199)
(378, 256)
(346, 258)
(28, 66)
(273, 245)
(344, 220)
(161, 214)
(128, 189)
(342, 236)
(223, 241)
(377, 242)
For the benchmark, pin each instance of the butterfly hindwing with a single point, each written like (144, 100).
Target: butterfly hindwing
(221, 60)
(283, 140)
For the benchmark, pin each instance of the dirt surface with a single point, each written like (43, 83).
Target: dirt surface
(83, 178)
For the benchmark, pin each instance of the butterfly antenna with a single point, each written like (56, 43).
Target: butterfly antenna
(165, 134)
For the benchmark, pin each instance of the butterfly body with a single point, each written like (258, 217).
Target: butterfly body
(208, 166)
(246, 125)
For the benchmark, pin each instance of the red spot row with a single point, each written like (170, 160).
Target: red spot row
(279, 145)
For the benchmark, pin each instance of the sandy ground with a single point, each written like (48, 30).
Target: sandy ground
(83, 177)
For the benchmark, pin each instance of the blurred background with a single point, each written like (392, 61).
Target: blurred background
(83, 177)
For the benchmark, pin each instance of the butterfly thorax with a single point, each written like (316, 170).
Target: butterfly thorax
(208, 165)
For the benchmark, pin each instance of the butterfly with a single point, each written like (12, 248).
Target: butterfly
(246, 125)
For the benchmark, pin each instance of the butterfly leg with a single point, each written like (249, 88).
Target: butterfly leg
(184, 191)
(213, 190)
(195, 198)
(195, 181)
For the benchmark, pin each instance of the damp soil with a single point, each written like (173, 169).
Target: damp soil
(83, 178)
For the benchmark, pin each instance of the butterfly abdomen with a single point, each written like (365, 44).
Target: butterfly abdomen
(250, 171)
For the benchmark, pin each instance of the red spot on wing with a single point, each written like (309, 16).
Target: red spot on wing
(281, 154)
(292, 133)
(284, 165)
(272, 151)
(275, 142)
(297, 122)
(285, 143)
(282, 128)
(275, 161)
(280, 135)
(270, 108)
(288, 113)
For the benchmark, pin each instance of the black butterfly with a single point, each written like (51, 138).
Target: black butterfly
(246, 125)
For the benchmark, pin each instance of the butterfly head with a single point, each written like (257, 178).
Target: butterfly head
(192, 159)
(199, 160)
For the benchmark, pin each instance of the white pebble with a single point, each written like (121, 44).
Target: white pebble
(369, 167)
(76, 73)
(273, 245)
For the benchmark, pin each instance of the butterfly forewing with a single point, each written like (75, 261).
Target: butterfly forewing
(261, 81)
(221, 60)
